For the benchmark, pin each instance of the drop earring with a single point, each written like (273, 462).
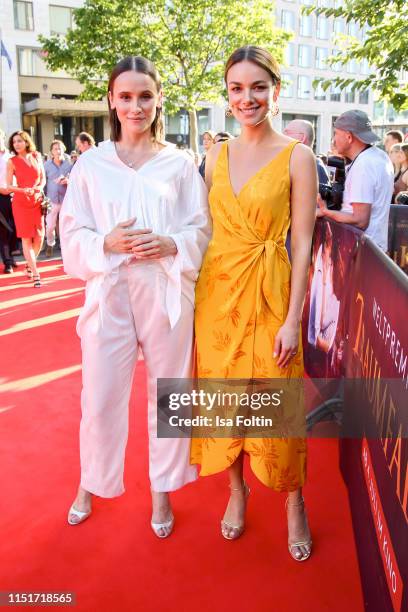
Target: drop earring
(275, 109)
(228, 112)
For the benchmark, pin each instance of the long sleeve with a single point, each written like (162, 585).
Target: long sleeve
(81, 244)
(192, 238)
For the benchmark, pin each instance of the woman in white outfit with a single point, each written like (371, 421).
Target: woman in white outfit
(135, 226)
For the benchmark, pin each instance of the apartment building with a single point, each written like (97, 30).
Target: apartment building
(313, 41)
(33, 98)
(45, 104)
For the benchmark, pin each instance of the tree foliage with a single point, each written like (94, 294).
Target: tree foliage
(385, 46)
(188, 40)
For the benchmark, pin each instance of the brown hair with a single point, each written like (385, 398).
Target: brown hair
(58, 142)
(396, 135)
(145, 66)
(30, 146)
(85, 137)
(404, 150)
(257, 55)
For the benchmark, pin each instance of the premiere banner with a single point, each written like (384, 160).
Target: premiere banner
(323, 325)
(375, 465)
(398, 236)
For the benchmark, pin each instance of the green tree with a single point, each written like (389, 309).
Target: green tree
(385, 46)
(188, 40)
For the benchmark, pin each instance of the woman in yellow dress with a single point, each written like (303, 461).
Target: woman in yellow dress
(248, 298)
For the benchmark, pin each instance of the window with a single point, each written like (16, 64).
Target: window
(335, 93)
(305, 28)
(60, 19)
(305, 56)
(339, 26)
(31, 63)
(288, 21)
(303, 87)
(23, 15)
(363, 97)
(352, 66)
(353, 29)
(319, 93)
(322, 30)
(322, 54)
(287, 86)
(350, 95)
(290, 55)
(337, 66)
(307, 2)
(365, 68)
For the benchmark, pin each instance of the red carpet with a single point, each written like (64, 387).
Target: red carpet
(113, 562)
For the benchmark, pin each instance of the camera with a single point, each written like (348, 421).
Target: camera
(333, 194)
(402, 198)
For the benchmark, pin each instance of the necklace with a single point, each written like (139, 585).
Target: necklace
(130, 162)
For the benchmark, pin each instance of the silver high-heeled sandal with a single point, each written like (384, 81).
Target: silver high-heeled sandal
(238, 530)
(167, 527)
(298, 555)
(81, 516)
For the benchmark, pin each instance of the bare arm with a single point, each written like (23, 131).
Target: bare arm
(360, 217)
(14, 188)
(303, 211)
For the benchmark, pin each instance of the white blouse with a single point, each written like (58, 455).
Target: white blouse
(166, 194)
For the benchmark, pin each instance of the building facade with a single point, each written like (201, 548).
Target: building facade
(42, 102)
(45, 103)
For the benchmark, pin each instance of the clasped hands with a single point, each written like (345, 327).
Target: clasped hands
(142, 243)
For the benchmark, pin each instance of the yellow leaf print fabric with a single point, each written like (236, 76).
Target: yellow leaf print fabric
(242, 298)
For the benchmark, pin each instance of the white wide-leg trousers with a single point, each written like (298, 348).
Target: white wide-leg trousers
(51, 223)
(133, 314)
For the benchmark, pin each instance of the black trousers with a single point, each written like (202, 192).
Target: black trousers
(7, 230)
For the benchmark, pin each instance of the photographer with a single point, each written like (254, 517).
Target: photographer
(369, 178)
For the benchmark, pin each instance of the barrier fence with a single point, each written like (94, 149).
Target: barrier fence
(356, 341)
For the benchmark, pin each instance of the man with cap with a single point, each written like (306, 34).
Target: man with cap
(369, 178)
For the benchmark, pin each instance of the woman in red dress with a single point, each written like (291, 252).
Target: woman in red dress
(29, 179)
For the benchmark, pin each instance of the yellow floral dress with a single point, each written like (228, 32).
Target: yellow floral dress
(242, 298)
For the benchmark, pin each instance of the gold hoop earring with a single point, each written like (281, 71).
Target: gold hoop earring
(275, 109)
(228, 112)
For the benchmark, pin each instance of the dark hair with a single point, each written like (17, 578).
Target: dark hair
(404, 150)
(145, 66)
(58, 142)
(222, 136)
(396, 134)
(257, 55)
(85, 137)
(30, 146)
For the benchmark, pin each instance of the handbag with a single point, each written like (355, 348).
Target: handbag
(45, 204)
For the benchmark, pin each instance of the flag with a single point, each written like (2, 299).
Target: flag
(4, 53)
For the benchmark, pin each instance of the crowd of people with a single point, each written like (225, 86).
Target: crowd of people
(32, 189)
(27, 178)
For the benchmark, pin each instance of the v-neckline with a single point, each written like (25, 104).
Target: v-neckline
(261, 169)
(147, 162)
(29, 165)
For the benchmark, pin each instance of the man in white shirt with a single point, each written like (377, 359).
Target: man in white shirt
(7, 230)
(369, 178)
